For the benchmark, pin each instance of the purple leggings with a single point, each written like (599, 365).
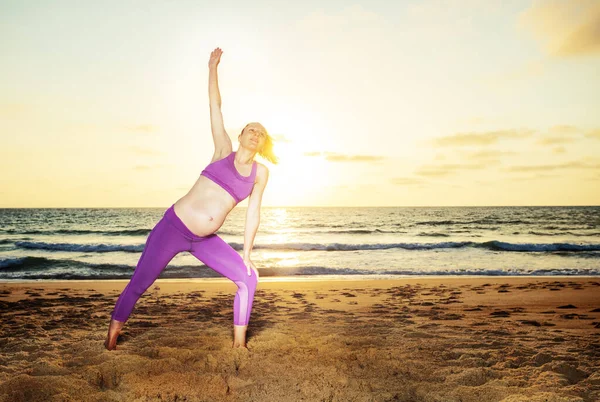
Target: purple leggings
(169, 237)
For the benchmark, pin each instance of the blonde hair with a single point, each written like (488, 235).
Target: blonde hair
(267, 150)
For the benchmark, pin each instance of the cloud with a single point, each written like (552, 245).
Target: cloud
(536, 177)
(594, 134)
(558, 166)
(558, 134)
(564, 28)
(564, 129)
(484, 138)
(484, 156)
(585, 39)
(559, 150)
(487, 154)
(432, 172)
(451, 168)
(406, 181)
(334, 157)
(556, 140)
(561, 134)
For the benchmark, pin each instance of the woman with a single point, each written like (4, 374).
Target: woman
(190, 224)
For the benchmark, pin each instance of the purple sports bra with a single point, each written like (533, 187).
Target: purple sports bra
(224, 173)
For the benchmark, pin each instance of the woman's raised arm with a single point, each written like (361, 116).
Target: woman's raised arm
(223, 146)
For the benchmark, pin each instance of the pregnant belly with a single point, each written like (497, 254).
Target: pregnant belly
(204, 208)
(198, 221)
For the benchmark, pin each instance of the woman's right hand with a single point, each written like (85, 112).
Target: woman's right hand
(215, 58)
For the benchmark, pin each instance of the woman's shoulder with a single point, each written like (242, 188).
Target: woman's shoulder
(261, 168)
(262, 172)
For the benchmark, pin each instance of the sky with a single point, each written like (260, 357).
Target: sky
(370, 103)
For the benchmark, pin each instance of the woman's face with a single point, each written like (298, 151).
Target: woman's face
(253, 137)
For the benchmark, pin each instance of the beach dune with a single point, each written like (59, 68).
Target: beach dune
(414, 339)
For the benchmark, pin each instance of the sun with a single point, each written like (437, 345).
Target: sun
(299, 177)
(303, 176)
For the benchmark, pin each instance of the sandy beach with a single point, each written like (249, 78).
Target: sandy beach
(414, 339)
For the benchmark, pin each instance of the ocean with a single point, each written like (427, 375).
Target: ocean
(320, 242)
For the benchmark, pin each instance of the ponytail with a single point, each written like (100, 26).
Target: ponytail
(267, 151)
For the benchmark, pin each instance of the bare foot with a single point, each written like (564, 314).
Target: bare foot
(114, 330)
(239, 336)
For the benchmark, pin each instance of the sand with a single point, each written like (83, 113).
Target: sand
(415, 339)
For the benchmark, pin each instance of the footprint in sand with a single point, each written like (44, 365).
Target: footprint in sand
(576, 316)
(500, 314)
(530, 322)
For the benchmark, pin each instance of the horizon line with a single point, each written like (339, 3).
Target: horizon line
(331, 206)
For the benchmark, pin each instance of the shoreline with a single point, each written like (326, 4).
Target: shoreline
(310, 278)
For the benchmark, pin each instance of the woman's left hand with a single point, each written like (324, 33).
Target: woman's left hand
(250, 265)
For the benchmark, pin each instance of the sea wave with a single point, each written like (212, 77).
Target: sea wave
(27, 268)
(43, 263)
(78, 232)
(330, 229)
(87, 248)
(493, 245)
(125, 232)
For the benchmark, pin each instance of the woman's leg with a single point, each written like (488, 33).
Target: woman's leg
(163, 243)
(221, 257)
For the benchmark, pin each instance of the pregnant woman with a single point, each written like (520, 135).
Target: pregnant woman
(190, 224)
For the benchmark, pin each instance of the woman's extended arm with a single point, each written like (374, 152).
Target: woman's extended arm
(221, 139)
(253, 215)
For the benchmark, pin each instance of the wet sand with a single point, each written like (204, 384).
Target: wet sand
(415, 339)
